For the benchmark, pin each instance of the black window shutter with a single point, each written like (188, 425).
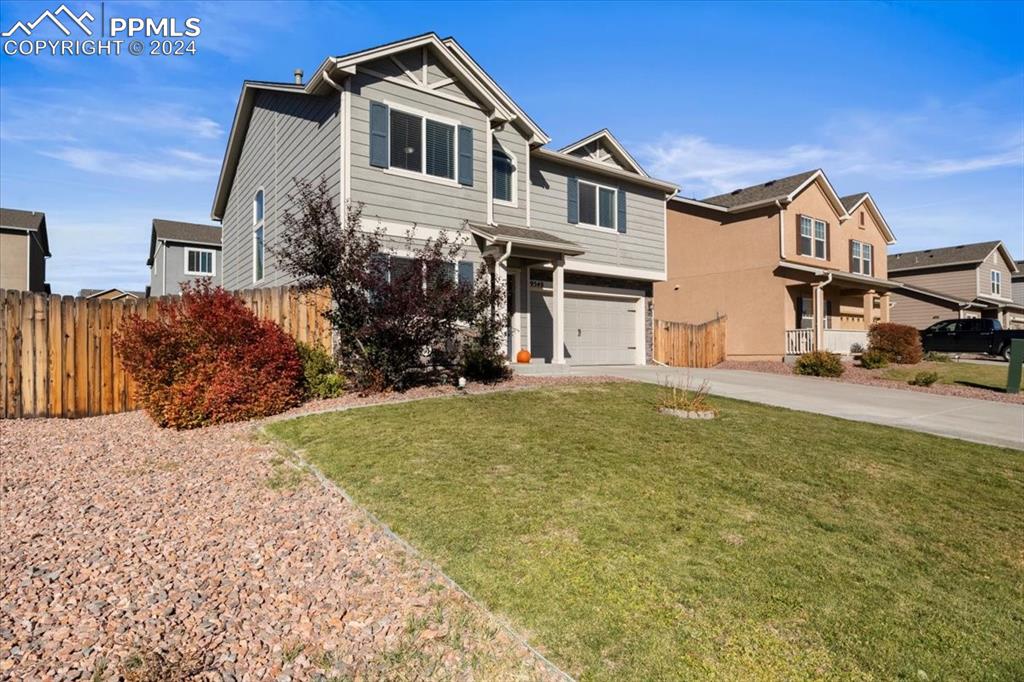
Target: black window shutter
(572, 200)
(378, 135)
(466, 272)
(465, 156)
(621, 222)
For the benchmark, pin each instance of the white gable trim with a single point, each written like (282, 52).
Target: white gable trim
(887, 232)
(620, 151)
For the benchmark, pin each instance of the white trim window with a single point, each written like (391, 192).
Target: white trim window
(505, 178)
(597, 205)
(422, 144)
(813, 238)
(201, 262)
(996, 280)
(258, 241)
(861, 258)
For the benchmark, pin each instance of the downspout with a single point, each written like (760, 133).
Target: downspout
(342, 170)
(782, 228)
(163, 275)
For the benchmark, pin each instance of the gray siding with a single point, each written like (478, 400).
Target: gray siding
(175, 260)
(643, 244)
(291, 136)
(391, 197)
(958, 282)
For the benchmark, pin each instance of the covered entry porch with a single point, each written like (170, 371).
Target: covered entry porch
(833, 311)
(561, 317)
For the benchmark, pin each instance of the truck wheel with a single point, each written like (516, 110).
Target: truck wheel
(1005, 352)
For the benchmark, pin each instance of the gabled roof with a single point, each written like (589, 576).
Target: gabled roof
(122, 293)
(853, 201)
(618, 152)
(962, 254)
(32, 221)
(762, 193)
(185, 233)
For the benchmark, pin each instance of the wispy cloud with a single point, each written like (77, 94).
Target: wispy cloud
(934, 142)
(159, 165)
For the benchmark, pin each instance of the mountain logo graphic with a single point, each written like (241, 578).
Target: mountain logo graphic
(63, 10)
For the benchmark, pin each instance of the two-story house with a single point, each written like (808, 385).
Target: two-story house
(424, 139)
(969, 280)
(1017, 284)
(24, 248)
(182, 252)
(790, 263)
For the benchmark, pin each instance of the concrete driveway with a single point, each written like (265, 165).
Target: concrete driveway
(980, 421)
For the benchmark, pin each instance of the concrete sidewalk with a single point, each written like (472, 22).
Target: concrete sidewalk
(980, 421)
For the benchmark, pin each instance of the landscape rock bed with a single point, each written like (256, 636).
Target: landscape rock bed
(124, 543)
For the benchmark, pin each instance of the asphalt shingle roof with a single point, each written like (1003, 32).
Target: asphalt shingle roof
(173, 230)
(765, 191)
(27, 220)
(512, 234)
(851, 200)
(948, 255)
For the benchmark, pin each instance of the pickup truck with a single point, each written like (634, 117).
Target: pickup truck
(974, 335)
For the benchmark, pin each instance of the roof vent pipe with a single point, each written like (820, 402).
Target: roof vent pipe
(298, 76)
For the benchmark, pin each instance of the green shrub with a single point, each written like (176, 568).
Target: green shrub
(901, 343)
(936, 356)
(319, 372)
(483, 362)
(924, 379)
(873, 359)
(856, 349)
(819, 363)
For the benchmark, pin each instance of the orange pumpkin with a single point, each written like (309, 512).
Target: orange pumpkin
(523, 356)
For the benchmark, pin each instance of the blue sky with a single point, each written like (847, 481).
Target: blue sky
(922, 104)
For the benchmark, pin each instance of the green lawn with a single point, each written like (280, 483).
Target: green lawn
(766, 544)
(966, 373)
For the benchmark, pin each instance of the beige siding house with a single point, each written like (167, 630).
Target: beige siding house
(24, 248)
(969, 280)
(793, 266)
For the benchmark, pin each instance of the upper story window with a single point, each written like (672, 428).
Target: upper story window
(813, 238)
(422, 145)
(199, 261)
(258, 245)
(503, 171)
(862, 258)
(997, 283)
(597, 205)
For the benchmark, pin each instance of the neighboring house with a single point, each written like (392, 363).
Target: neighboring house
(421, 136)
(114, 294)
(182, 252)
(24, 248)
(1017, 283)
(793, 266)
(969, 280)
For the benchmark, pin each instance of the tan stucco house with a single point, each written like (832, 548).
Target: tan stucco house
(24, 248)
(968, 280)
(793, 265)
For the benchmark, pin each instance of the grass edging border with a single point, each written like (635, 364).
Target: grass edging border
(333, 488)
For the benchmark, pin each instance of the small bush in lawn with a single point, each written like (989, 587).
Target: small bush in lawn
(924, 379)
(208, 359)
(856, 349)
(686, 399)
(900, 343)
(819, 363)
(873, 359)
(936, 356)
(319, 372)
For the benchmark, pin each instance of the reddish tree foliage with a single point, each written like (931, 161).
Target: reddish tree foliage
(899, 343)
(208, 359)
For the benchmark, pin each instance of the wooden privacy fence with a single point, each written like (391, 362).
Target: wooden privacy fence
(690, 345)
(57, 354)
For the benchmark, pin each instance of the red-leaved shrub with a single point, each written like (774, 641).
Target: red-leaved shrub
(208, 359)
(899, 343)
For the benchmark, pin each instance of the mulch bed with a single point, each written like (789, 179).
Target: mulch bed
(871, 377)
(126, 547)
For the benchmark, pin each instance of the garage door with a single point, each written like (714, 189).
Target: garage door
(598, 330)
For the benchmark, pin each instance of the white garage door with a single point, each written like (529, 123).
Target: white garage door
(598, 330)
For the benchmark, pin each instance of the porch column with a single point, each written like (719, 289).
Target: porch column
(818, 305)
(868, 308)
(501, 283)
(884, 305)
(558, 312)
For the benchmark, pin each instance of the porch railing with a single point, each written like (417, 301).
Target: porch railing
(799, 341)
(840, 341)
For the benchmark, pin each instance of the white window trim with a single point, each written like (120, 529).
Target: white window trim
(213, 262)
(996, 283)
(870, 259)
(255, 226)
(597, 207)
(515, 178)
(814, 238)
(422, 174)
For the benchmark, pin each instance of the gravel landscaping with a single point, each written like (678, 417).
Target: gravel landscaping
(133, 550)
(872, 377)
